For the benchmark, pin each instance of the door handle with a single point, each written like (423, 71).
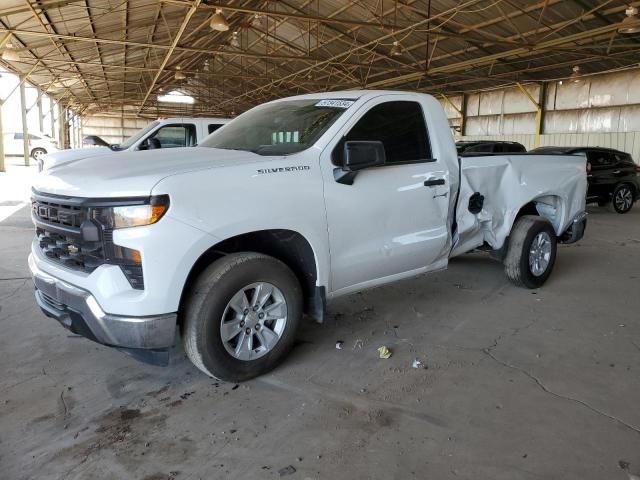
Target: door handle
(433, 182)
(616, 172)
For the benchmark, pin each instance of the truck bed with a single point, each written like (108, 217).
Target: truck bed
(554, 186)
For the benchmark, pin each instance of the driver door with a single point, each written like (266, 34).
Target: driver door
(392, 221)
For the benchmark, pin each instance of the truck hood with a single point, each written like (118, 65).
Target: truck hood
(63, 157)
(131, 174)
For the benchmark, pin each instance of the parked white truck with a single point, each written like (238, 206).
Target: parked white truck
(295, 202)
(166, 133)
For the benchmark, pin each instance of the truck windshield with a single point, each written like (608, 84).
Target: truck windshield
(280, 128)
(135, 137)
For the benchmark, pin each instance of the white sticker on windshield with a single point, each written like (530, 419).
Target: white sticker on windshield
(335, 103)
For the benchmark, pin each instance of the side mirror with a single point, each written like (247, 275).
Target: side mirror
(359, 155)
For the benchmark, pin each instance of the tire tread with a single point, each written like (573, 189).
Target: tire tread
(192, 328)
(513, 258)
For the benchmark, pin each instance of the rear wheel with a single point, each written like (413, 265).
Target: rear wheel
(622, 199)
(242, 316)
(531, 253)
(38, 153)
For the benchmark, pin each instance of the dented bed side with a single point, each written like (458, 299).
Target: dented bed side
(554, 186)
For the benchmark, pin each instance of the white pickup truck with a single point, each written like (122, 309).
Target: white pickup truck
(293, 203)
(165, 133)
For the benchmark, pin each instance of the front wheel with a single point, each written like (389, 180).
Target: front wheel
(38, 153)
(242, 316)
(622, 199)
(531, 253)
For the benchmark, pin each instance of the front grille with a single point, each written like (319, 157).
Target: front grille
(58, 213)
(71, 251)
(70, 232)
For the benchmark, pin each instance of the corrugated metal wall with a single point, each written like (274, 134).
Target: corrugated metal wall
(601, 110)
(112, 129)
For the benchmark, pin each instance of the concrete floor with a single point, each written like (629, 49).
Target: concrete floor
(520, 384)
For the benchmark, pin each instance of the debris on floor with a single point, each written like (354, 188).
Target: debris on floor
(289, 470)
(384, 352)
(418, 364)
(357, 345)
(339, 344)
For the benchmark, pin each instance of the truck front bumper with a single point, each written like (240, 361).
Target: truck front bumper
(146, 338)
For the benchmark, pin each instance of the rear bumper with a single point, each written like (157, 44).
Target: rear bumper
(146, 338)
(576, 229)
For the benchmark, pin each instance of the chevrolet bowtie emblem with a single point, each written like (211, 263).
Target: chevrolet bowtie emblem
(73, 249)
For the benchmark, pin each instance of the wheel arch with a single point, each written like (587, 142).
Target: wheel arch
(630, 184)
(288, 246)
(550, 207)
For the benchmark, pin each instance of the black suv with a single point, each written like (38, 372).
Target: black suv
(488, 147)
(612, 175)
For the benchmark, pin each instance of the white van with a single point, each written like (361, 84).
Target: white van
(39, 144)
(166, 133)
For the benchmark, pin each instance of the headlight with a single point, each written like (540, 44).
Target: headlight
(126, 216)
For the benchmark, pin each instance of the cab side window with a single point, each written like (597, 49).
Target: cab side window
(401, 128)
(600, 159)
(212, 127)
(172, 136)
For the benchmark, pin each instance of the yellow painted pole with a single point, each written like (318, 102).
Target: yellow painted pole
(538, 105)
(459, 111)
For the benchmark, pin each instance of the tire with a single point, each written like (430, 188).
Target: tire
(517, 264)
(622, 199)
(208, 308)
(37, 153)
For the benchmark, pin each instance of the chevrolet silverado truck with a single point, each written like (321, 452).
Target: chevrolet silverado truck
(166, 133)
(229, 244)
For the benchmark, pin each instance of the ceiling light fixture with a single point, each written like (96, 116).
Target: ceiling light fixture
(575, 77)
(631, 23)
(258, 19)
(176, 96)
(396, 49)
(179, 74)
(10, 54)
(218, 22)
(234, 41)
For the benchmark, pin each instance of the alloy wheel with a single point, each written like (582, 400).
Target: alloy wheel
(540, 254)
(253, 321)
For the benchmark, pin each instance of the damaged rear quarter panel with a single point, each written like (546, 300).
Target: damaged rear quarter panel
(557, 185)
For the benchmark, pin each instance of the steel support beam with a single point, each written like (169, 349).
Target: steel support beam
(40, 114)
(539, 104)
(174, 44)
(62, 121)
(25, 130)
(460, 111)
(53, 119)
(2, 168)
(158, 46)
(289, 15)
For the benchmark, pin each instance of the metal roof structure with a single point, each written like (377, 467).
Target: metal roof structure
(102, 55)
